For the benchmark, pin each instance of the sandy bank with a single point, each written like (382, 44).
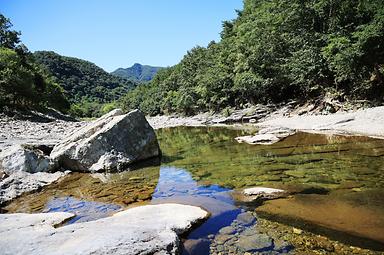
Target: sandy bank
(367, 122)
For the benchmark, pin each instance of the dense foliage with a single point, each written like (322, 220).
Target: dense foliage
(22, 82)
(137, 72)
(273, 51)
(88, 87)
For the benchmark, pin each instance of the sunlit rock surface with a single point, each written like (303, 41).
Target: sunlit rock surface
(151, 229)
(111, 142)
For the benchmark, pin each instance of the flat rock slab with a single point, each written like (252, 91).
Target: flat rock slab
(151, 229)
(258, 194)
(263, 139)
(266, 136)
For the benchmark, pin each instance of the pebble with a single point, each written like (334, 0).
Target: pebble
(257, 242)
(297, 231)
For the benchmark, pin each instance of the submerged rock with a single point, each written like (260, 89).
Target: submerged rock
(246, 219)
(20, 182)
(255, 243)
(110, 143)
(151, 229)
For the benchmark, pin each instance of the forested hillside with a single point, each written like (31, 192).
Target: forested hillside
(137, 72)
(276, 50)
(22, 82)
(88, 87)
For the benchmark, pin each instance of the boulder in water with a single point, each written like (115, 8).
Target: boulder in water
(109, 143)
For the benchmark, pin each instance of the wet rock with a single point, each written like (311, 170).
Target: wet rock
(195, 246)
(227, 230)
(282, 246)
(246, 219)
(151, 229)
(20, 182)
(221, 239)
(249, 232)
(110, 143)
(255, 243)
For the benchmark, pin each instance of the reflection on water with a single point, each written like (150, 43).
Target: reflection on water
(177, 185)
(175, 182)
(200, 166)
(84, 210)
(337, 176)
(329, 161)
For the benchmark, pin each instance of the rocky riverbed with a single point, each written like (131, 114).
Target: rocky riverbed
(271, 236)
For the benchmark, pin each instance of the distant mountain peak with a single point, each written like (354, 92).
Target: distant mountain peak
(137, 72)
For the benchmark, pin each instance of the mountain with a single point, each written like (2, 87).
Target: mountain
(81, 79)
(137, 72)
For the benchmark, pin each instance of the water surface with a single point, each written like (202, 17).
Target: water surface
(330, 174)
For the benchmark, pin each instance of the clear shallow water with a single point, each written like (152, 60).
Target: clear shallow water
(84, 210)
(177, 185)
(335, 176)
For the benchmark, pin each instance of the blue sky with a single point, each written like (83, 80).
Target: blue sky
(118, 33)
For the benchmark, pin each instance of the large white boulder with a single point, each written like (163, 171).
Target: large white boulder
(25, 158)
(151, 229)
(109, 143)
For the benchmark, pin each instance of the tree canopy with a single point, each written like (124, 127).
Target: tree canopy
(22, 82)
(274, 51)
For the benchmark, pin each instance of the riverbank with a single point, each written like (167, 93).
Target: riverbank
(366, 122)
